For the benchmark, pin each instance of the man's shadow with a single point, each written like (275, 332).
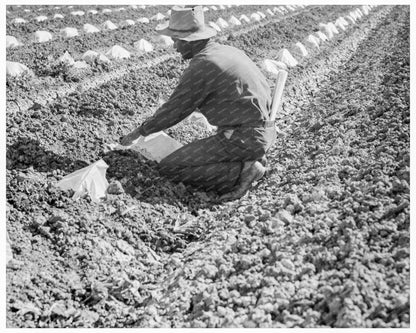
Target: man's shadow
(140, 177)
(27, 152)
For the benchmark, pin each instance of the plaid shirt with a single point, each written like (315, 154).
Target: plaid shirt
(223, 84)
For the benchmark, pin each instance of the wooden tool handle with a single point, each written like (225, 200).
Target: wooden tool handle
(277, 93)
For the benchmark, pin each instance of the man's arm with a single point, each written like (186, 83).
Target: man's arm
(188, 95)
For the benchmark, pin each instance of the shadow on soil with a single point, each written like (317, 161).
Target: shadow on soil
(141, 180)
(139, 177)
(26, 152)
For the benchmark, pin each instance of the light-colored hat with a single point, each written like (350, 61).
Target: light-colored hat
(187, 24)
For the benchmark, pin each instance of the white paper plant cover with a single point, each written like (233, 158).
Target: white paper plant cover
(103, 58)
(66, 59)
(262, 15)
(42, 36)
(143, 20)
(340, 25)
(321, 36)
(214, 25)
(326, 30)
(285, 57)
(222, 7)
(41, 18)
(273, 66)
(279, 10)
(117, 52)
(12, 42)
(92, 11)
(283, 9)
(80, 65)
(280, 65)
(222, 23)
(69, 32)
(205, 9)
(300, 48)
(142, 6)
(214, 8)
(15, 68)
(333, 28)
(350, 19)
(78, 13)
(269, 11)
(365, 10)
(291, 8)
(89, 180)
(89, 56)
(244, 18)
(354, 15)
(106, 11)
(312, 41)
(158, 17)
(156, 146)
(199, 118)
(90, 29)
(58, 16)
(19, 20)
(168, 13)
(164, 40)
(108, 25)
(343, 20)
(128, 22)
(234, 21)
(255, 17)
(143, 46)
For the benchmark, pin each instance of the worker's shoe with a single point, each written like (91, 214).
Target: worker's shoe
(252, 171)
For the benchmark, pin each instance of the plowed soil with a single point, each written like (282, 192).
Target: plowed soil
(322, 241)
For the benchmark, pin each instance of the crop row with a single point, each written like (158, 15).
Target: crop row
(22, 30)
(52, 73)
(47, 66)
(310, 247)
(52, 19)
(91, 118)
(32, 12)
(38, 56)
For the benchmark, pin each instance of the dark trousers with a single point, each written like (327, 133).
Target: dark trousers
(215, 163)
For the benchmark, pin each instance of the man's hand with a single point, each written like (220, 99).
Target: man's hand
(129, 138)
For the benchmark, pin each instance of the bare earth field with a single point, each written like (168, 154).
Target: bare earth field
(322, 241)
